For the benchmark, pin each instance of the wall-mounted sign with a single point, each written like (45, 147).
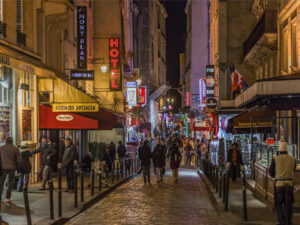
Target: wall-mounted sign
(131, 96)
(81, 35)
(82, 75)
(202, 92)
(270, 141)
(210, 81)
(187, 99)
(211, 103)
(115, 74)
(142, 98)
(131, 84)
(64, 117)
(75, 107)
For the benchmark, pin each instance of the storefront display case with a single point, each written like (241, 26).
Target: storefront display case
(264, 184)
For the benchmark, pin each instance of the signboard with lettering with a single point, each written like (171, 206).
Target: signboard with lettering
(131, 96)
(142, 99)
(187, 99)
(82, 37)
(210, 81)
(202, 92)
(131, 84)
(75, 107)
(115, 74)
(270, 141)
(82, 75)
(211, 103)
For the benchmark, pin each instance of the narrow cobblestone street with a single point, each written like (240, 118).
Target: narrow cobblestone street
(158, 204)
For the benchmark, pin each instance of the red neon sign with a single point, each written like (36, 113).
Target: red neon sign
(115, 75)
(142, 96)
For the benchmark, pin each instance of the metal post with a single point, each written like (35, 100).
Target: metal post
(131, 166)
(125, 171)
(224, 186)
(27, 208)
(51, 199)
(92, 180)
(81, 186)
(122, 168)
(220, 184)
(227, 191)
(244, 196)
(75, 185)
(217, 179)
(100, 181)
(113, 173)
(59, 191)
(118, 168)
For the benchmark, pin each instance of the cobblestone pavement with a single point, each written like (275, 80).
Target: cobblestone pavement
(157, 204)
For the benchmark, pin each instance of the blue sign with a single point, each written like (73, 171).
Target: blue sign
(131, 84)
(82, 75)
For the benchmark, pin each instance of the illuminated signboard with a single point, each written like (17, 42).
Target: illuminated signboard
(75, 107)
(131, 96)
(81, 34)
(82, 75)
(130, 84)
(187, 99)
(202, 92)
(115, 76)
(142, 96)
(210, 81)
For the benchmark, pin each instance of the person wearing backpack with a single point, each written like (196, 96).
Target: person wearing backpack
(175, 159)
(158, 156)
(25, 167)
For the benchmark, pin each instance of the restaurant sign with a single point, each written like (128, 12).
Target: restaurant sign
(115, 73)
(75, 107)
(82, 37)
(210, 81)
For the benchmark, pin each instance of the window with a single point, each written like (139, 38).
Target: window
(284, 48)
(19, 15)
(1, 10)
(294, 45)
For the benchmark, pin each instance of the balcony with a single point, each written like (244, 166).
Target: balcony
(3, 29)
(21, 38)
(265, 29)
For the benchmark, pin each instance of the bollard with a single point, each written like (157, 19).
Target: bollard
(213, 176)
(118, 168)
(81, 186)
(100, 180)
(113, 173)
(75, 185)
(125, 171)
(51, 199)
(59, 191)
(27, 208)
(122, 168)
(227, 191)
(244, 196)
(92, 180)
(224, 186)
(220, 184)
(131, 166)
(217, 179)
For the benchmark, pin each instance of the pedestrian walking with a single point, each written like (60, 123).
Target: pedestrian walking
(159, 158)
(198, 152)
(127, 163)
(188, 152)
(112, 151)
(48, 160)
(145, 157)
(282, 169)
(234, 161)
(11, 160)
(121, 150)
(175, 159)
(70, 155)
(25, 167)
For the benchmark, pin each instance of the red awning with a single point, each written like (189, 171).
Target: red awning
(64, 121)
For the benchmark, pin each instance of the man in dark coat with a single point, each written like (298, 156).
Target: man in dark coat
(145, 157)
(175, 158)
(112, 151)
(49, 160)
(11, 159)
(26, 166)
(159, 158)
(121, 150)
(69, 157)
(234, 158)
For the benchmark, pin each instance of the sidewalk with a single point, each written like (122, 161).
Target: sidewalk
(258, 212)
(14, 214)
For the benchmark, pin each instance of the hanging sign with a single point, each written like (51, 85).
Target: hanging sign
(211, 103)
(81, 34)
(270, 141)
(82, 75)
(75, 107)
(187, 99)
(131, 84)
(115, 76)
(131, 96)
(210, 81)
(142, 96)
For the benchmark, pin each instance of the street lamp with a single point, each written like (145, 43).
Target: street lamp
(103, 66)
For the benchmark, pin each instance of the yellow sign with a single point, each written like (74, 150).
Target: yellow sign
(75, 107)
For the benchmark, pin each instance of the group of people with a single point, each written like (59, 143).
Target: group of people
(158, 151)
(14, 159)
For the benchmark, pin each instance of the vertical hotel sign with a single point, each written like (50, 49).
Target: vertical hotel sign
(81, 35)
(115, 76)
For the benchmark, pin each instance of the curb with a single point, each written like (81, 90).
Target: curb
(90, 203)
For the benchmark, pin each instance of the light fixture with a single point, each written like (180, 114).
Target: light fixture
(138, 82)
(6, 84)
(103, 66)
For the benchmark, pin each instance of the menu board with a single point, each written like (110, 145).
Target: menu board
(4, 123)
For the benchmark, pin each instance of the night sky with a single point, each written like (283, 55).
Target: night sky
(176, 29)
